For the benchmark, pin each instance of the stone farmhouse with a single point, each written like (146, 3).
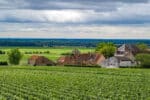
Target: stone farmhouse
(123, 57)
(127, 50)
(116, 62)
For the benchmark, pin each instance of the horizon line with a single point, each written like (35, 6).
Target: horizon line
(82, 38)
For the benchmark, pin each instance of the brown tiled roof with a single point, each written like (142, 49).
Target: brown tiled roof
(80, 59)
(132, 48)
(34, 57)
(39, 60)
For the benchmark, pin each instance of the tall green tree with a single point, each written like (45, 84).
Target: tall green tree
(107, 49)
(14, 56)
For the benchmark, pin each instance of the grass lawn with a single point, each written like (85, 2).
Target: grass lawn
(73, 83)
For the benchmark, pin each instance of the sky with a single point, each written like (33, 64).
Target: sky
(100, 19)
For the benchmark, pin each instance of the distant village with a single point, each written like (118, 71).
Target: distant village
(124, 56)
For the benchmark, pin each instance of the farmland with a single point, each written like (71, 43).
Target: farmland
(44, 83)
(25, 82)
(54, 53)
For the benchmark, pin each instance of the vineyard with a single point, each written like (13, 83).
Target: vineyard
(73, 83)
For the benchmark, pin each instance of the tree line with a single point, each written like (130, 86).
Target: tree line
(65, 42)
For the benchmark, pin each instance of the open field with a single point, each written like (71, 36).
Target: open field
(54, 54)
(25, 82)
(73, 83)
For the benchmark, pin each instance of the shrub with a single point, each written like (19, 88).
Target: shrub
(2, 52)
(14, 56)
(142, 46)
(3, 63)
(144, 60)
(65, 54)
(47, 52)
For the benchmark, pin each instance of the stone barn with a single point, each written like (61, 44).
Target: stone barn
(116, 62)
(85, 59)
(36, 60)
(111, 62)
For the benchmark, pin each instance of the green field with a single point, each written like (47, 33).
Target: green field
(25, 82)
(54, 54)
(73, 83)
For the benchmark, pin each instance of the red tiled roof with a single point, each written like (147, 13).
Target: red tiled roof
(40, 60)
(86, 58)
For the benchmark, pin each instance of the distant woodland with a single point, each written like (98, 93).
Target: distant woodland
(66, 42)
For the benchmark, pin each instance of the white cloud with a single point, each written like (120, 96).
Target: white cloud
(58, 16)
(65, 16)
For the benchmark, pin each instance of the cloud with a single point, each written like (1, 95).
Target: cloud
(13, 4)
(75, 18)
(136, 15)
(55, 16)
(62, 4)
(44, 30)
(76, 11)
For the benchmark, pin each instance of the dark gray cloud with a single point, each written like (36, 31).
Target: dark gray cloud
(86, 1)
(66, 4)
(76, 11)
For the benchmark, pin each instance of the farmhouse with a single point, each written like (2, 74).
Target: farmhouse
(85, 59)
(123, 57)
(116, 62)
(128, 51)
(40, 61)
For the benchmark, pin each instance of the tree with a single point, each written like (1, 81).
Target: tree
(142, 46)
(14, 56)
(144, 60)
(107, 49)
(75, 51)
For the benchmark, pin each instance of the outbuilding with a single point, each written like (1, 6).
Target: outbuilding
(116, 62)
(85, 59)
(36, 60)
